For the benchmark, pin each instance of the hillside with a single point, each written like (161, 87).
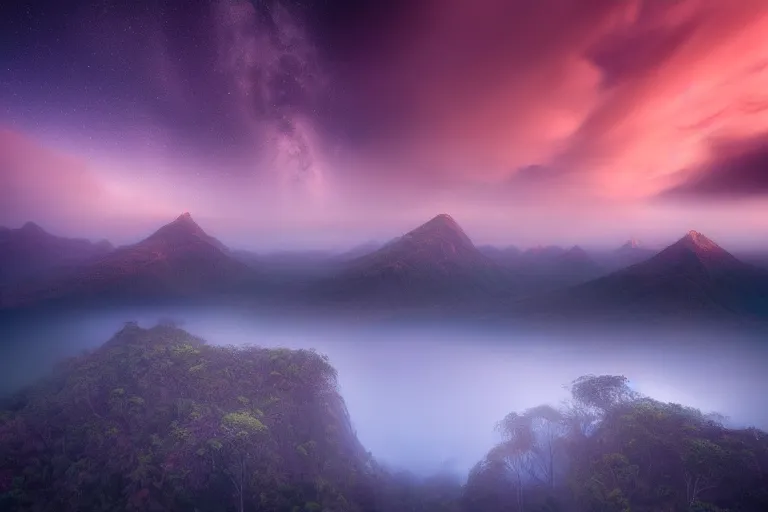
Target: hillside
(433, 263)
(555, 267)
(179, 260)
(611, 449)
(31, 251)
(158, 420)
(692, 278)
(632, 252)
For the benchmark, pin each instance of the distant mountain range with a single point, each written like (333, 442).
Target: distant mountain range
(544, 268)
(433, 266)
(692, 278)
(178, 260)
(435, 262)
(693, 274)
(31, 251)
(630, 253)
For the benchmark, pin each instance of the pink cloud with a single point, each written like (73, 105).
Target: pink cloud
(37, 182)
(617, 97)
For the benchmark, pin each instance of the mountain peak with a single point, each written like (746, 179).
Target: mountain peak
(183, 228)
(698, 242)
(441, 225)
(576, 255)
(547, 251)
(442, 219)
(632, 243)
(696, 247)
(434, 259)
(31, 227)
(438, 240)
(185, 220)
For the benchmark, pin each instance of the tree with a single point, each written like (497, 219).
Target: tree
(703, 463)
(239, 431)
(516, 450)
(602, 392)
(547, 428)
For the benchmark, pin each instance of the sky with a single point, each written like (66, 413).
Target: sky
(289, 123)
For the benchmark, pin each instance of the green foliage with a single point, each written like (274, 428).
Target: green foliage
(242, 423)
(636, 454)
(197, 368)
(157, 420)
(602, 392)
(184, 350)
(136, 400)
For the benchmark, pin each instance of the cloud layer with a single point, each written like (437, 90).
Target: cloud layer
(331, 113)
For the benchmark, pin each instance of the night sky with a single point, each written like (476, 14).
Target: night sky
(330, 123)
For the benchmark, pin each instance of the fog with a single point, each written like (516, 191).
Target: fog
(426, 397)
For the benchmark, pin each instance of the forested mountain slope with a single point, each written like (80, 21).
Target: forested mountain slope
(612, 450)
(157, 420)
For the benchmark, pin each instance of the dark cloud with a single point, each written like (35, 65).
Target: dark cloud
(737, 170)
(210, 76)
(639, 48)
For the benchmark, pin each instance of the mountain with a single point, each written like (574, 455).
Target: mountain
(182, 232)
(31, 251)
(503, 255)
(156, 419)
(286, 269)
(360, 250)
(691, 277)
(434, 262)
(178, 260)
(541, 253)
(640, 445)
(630, 253)
(546, 268)
(631, 244)
(755, 257)
(575, 265)
(577, 258)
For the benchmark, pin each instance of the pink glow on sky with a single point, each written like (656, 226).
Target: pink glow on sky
(614, 103)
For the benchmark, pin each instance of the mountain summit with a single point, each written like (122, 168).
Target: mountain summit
(632, 243)
(576, 254)
(31, 252)
(696, 251)
(692, 276)
(441, 238)
(32, 228)
(436, 259)
(632, 252)
(700, 243)
(177, 260)
(438, 245)
(184, 230)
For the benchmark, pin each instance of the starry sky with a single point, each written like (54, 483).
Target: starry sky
(327, 123)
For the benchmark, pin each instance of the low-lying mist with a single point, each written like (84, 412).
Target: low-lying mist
(426, 398)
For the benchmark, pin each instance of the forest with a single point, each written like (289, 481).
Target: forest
(157, 420)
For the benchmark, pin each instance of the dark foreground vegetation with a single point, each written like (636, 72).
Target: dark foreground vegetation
(156, 420)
